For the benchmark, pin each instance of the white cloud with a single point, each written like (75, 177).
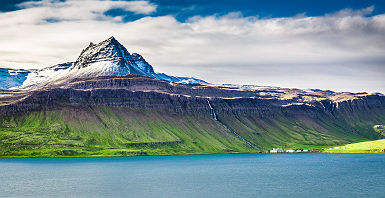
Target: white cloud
(341, 51)
(97, 7)
(350, 12)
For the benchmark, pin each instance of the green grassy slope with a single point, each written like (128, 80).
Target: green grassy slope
(290, 132)
(364, 120)
(81, 131)
(106, 131)
(376, 146)
(304, 127)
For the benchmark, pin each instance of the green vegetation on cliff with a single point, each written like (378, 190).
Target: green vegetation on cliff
(291, 132)
(81, 131)
(106, 131)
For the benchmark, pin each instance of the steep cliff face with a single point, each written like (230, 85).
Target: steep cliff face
(263, 119)
(362, 114)
(143, 83)
(144, 92)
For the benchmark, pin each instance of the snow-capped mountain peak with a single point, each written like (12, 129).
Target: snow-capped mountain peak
(107, 50)
(108, 57)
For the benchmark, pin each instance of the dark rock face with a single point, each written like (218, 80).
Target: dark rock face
(138, 91)
(144, 83)
(367, 103)
(106, 97)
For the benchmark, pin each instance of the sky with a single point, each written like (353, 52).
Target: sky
(324, 44)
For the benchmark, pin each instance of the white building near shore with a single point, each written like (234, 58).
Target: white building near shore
(276, 150)
(289, 150)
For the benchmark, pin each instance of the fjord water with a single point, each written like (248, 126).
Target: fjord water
(227, 175)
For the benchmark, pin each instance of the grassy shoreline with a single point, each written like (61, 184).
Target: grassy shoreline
(376, 146)
(117, 156)
(103, 156)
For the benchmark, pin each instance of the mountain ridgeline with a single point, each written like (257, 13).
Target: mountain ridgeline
(111, 103)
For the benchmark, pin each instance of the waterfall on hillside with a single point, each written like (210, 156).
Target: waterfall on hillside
(212, 112)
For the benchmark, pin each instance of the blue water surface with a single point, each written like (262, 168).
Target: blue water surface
(232, 175)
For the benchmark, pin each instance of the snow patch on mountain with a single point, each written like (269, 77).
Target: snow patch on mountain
(181, 79)
(43, 75)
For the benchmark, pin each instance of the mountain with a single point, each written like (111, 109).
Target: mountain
(108, 57)
(111, 103)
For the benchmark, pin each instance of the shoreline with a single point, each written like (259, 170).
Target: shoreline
(114, 156)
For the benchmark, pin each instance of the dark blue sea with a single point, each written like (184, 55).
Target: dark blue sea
(227, 175)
